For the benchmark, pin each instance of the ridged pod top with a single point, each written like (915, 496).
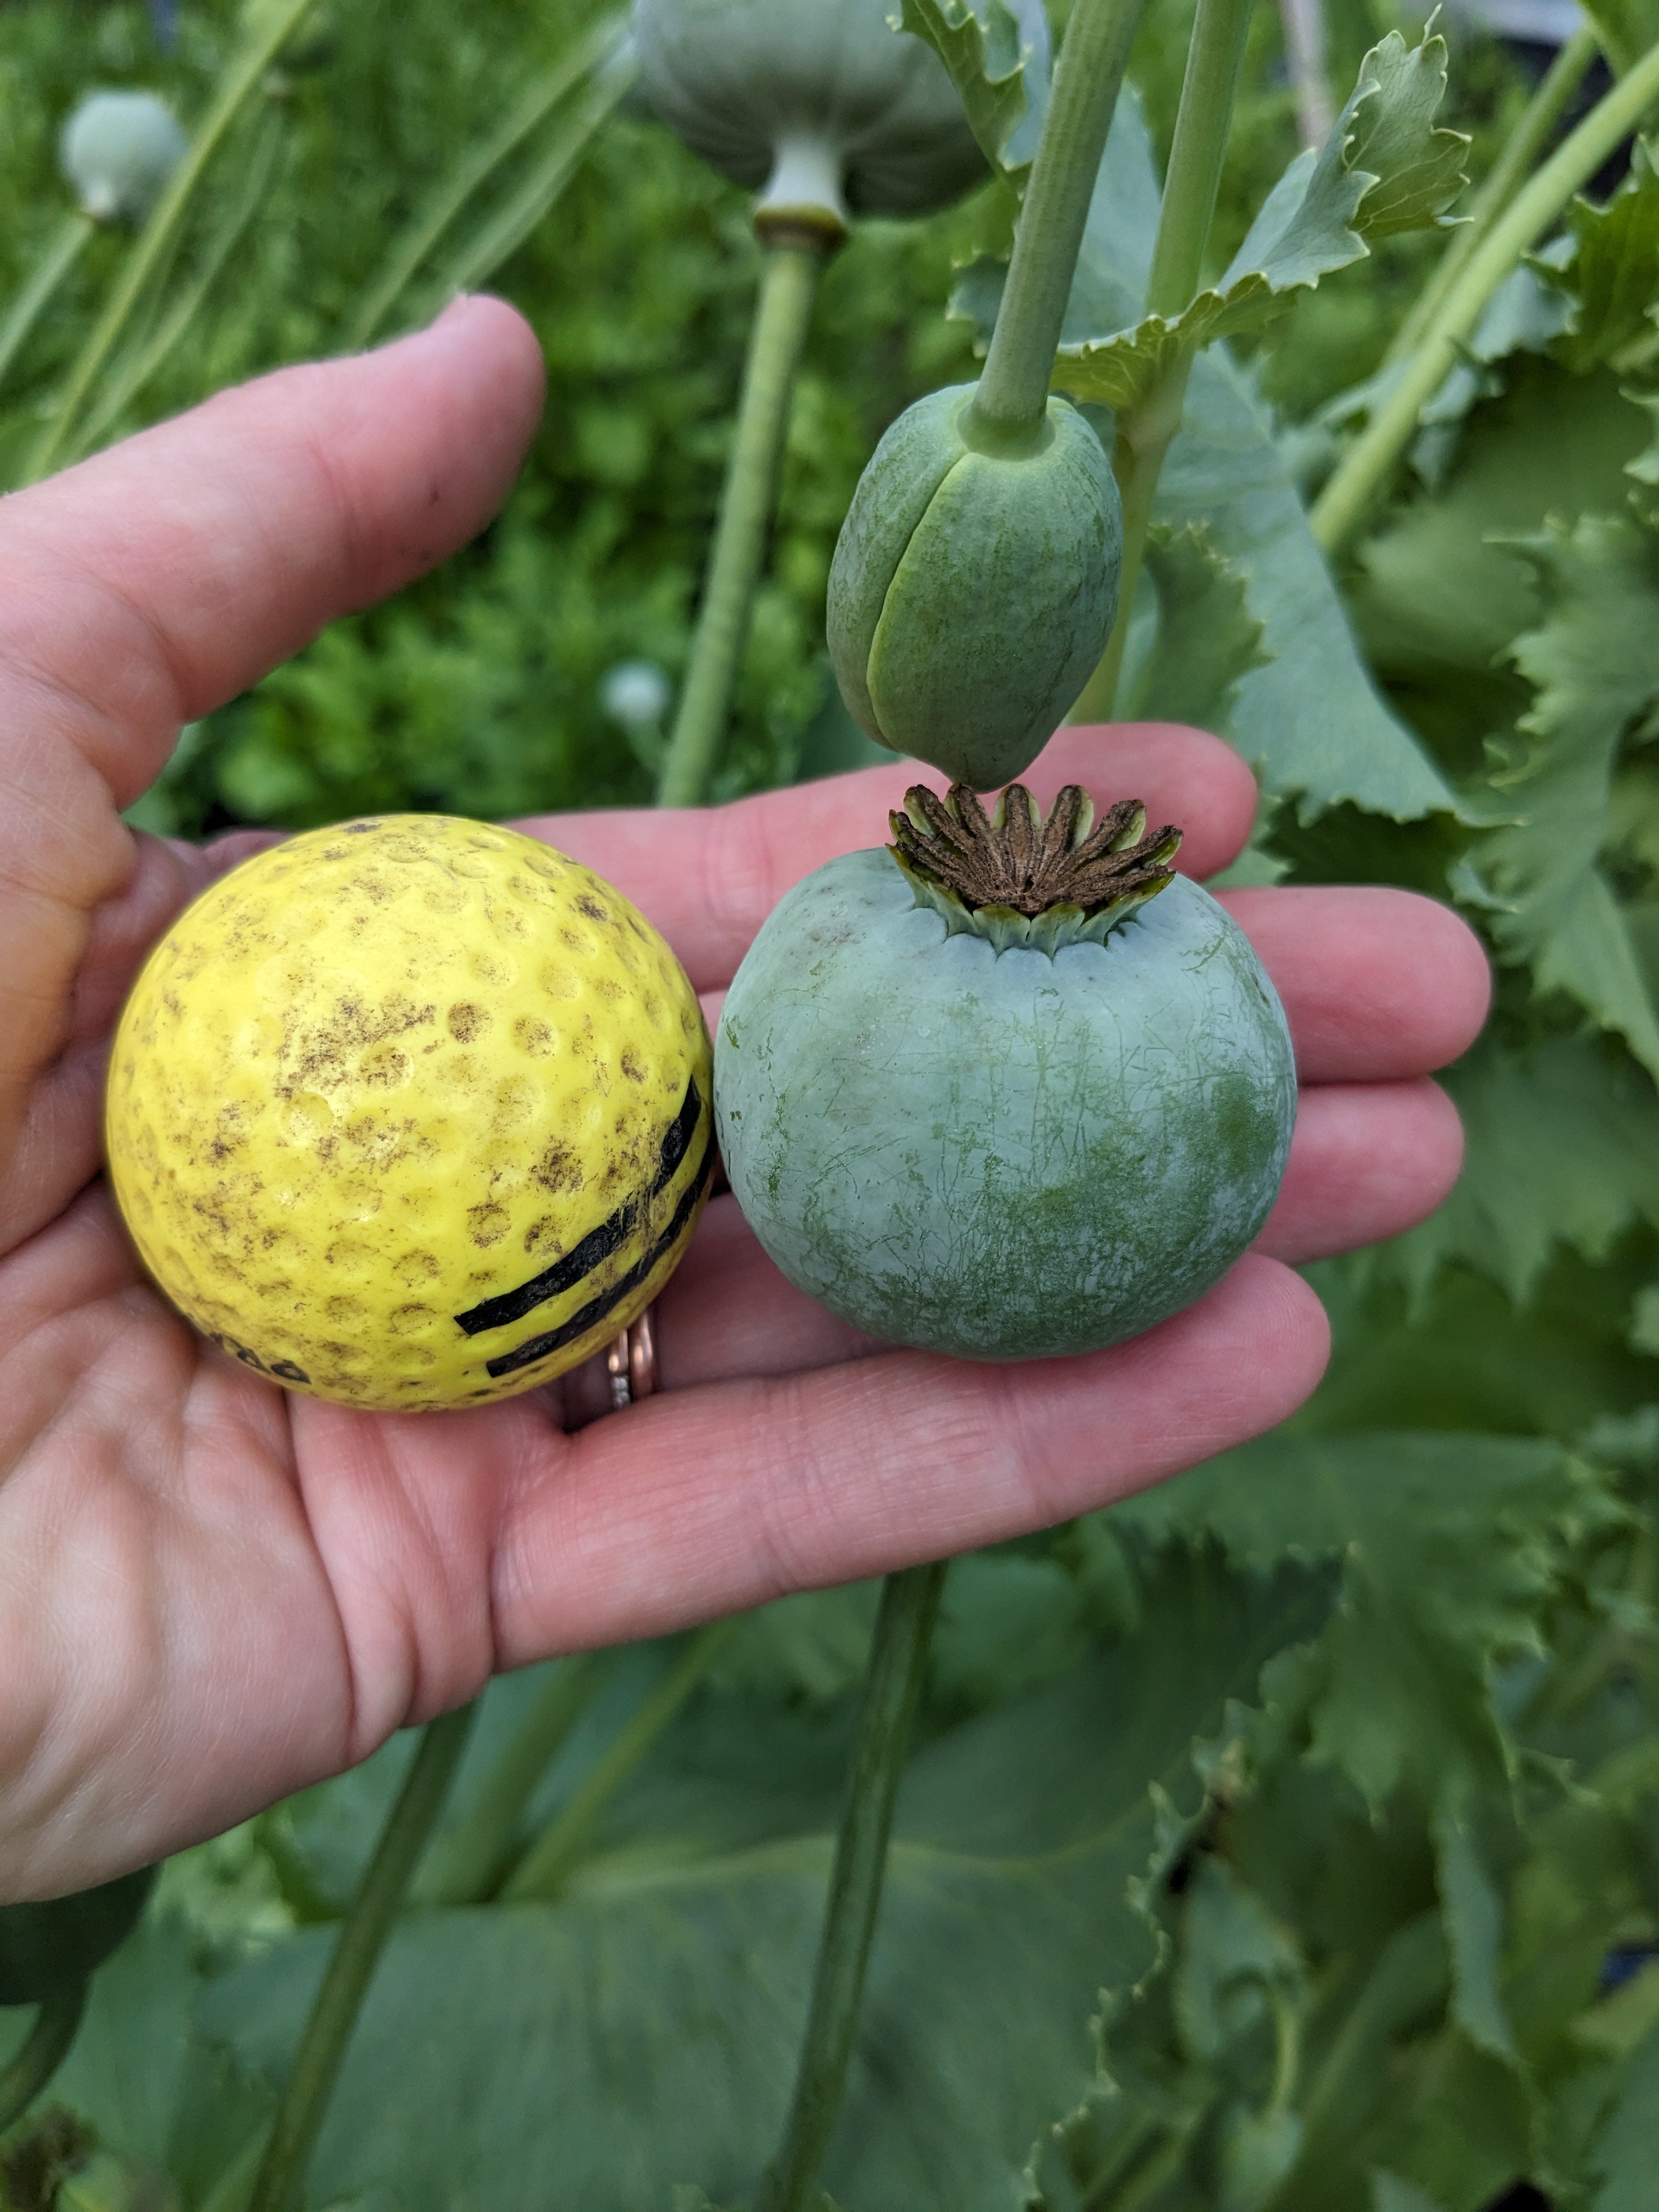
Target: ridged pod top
(1017, 880)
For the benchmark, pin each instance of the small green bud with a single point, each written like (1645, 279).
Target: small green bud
(118, 150)
(972, 593)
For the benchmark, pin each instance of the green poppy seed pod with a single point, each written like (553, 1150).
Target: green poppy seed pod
(819, 96)
(972, 593)
(117, 150)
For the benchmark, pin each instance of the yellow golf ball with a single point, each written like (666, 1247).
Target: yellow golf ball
(412, 1113)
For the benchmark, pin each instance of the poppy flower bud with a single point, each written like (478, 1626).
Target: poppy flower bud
(118, 150)
(973, 591)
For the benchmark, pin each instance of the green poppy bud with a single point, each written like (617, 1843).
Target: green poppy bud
(118, 150)
(972, 593)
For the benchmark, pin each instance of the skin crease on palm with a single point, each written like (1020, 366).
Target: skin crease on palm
(212, 1593)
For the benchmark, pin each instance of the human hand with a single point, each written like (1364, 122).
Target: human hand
(214, 1592)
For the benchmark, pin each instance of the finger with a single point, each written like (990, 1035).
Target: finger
(695, 1504)
(1368, 1161)
(1377, 984)
(147, 586)
(709, 877)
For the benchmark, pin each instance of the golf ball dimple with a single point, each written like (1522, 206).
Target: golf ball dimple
(412, 1113)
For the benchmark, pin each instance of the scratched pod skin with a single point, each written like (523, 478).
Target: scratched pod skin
(1004, 1095)
(972, 593)
(412, 1113)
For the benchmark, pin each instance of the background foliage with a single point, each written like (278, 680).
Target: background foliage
(1289, 1835)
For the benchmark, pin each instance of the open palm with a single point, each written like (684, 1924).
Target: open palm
(212, 1593)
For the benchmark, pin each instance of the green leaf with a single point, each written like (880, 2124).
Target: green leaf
(1562, 1149)
(1233, 1953)
(1003, 83)
(1309, 718)
(1612, 276)
(1258, 2151)
(1448, 1543)
(816, 1644)
(1385, 168)
(1474, 1916)
(1390, 2194)
(1443, 587)
(1419, 166)
(1623, 2151)
(1206, 641)
(640, 2032)
(1594, 665)
(1626, 29)
(158, 2099)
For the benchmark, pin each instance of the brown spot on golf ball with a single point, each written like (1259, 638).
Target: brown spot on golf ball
(383, 1066)
(466, 1021)
(558, 1169)
(534, 1038)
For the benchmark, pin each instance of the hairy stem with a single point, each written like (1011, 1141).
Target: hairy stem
(1203, 123)
(1371, 461)
(64, 250)
(898, 1661)
(45, 2050)
(240, 80)
(468, 1866)
(357, 1952)
(1521, 150)
(1010, 404)
(789, 280)
(1145, 434)
(542, 1871)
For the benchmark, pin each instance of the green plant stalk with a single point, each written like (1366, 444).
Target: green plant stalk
(44, 2048)
(1368, 462)
(542, 1871)
(64, 250)
(474, 170)
(788, 285)
(508, 227)
(130, 373)
(467, 1867)
(240, 80)
(1137, 458)
(1012, 398)
(892, 1686)
(356, 1953)
(1215, 60)
(1521, 150)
